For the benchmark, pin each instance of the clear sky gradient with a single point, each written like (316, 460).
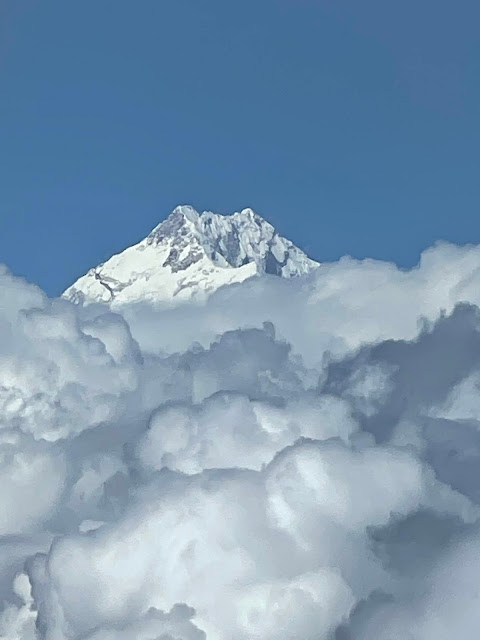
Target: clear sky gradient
(353, 126)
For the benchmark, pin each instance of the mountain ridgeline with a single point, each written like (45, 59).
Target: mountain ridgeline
(190, 255)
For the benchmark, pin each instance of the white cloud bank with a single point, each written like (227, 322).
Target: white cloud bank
(293, 459)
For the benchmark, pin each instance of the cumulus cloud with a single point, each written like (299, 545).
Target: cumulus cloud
(292, 459)
(336, 308)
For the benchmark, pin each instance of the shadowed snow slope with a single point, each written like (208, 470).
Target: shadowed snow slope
(189, 255)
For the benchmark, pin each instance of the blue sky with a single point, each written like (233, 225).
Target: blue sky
(352, 126)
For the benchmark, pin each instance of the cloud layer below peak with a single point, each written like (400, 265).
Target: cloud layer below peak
(292, 458)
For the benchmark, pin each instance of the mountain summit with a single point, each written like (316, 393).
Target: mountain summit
(190, 255)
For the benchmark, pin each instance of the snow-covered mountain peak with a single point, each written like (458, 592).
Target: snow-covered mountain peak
(189, 255)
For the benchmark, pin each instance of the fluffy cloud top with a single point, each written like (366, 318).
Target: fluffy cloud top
(290, 459)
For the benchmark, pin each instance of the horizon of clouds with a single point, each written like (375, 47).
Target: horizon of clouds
(294, 458)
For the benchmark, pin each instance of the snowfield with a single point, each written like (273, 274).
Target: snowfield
(190, 255)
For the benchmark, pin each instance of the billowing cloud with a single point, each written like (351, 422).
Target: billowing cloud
(292, 459)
